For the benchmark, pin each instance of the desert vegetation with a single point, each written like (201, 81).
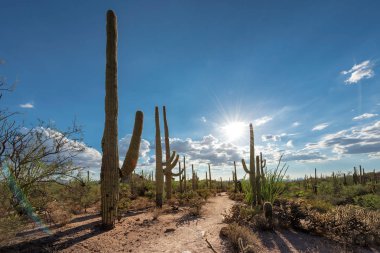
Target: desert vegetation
(41, 189)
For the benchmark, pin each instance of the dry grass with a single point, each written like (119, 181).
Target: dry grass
(233, 232)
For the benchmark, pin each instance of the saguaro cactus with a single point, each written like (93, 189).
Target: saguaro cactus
(170, 163)
(159, 170)
(209, 174)
(110, 161)
(251, 171)
(234, 177)
(132, 154)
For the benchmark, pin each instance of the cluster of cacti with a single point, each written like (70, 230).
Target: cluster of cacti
(194, 179)
(163, 167)
(110, 172)
(255, 172)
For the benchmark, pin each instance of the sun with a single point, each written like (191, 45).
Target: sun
(234, 130)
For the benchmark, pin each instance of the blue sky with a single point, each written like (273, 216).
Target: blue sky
(287, 66)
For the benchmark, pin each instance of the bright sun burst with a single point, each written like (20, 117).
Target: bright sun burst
(234, 130)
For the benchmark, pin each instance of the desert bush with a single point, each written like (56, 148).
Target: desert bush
(233, 232)
(195, 206)
(238, 196)
(10, 225)
(57, 213)
(124, 197)
(204, 193)
(371, 201)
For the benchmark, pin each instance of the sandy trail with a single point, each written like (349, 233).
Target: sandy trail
(173, 232)
(190, 234)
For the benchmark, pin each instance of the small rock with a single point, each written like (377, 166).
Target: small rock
(138, 219)
(168, 230)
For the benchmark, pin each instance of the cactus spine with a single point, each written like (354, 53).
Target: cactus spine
(251, 171)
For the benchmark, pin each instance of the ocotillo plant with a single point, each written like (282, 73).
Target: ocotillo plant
(251, 171)
(110, 172)
(169, 165)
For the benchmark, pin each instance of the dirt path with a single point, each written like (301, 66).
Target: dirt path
(173, 231)
(190, 234)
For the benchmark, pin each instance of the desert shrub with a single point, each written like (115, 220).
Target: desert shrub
(320, 205)
(348, 224)
(195, 206)
(369, 200)
(57, 213)
(238, 196)
(204, 193)
(10, 225)
(233, 232)
(124, 197)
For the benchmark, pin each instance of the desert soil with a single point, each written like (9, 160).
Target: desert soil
(173, 231)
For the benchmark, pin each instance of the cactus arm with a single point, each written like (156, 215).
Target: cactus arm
(169, 167)
(245, 166)
(177, 174)
(168, 162)
(132, 154)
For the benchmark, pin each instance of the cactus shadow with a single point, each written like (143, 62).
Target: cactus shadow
(270, 239)
(188, 218)
(53, 242)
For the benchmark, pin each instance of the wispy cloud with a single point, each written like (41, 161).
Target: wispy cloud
(27, 106)
(359, 72)
(262, 120)
(289, 144)
(270, 137)
(320, 127)
(365, 116)
(356, 140)
(203, 119)
(296, 124)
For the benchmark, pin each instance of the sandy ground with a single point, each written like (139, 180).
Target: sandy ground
(173, 231)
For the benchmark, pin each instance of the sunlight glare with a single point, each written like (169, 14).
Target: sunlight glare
(234, 130)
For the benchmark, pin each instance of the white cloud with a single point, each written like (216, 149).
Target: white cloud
(27, 105)
(203, 119)
(270, 137)
(320, 127)
(365, 116)
(359, 72)
(289, 144)
(296, 124)
(262, 120)
(356, 140)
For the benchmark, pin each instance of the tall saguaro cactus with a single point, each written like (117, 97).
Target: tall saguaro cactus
(110, 171)
(251, 171)
(159, 170)
(169, 164)
(110, 161)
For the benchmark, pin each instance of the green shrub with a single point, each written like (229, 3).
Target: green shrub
(369, 200)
